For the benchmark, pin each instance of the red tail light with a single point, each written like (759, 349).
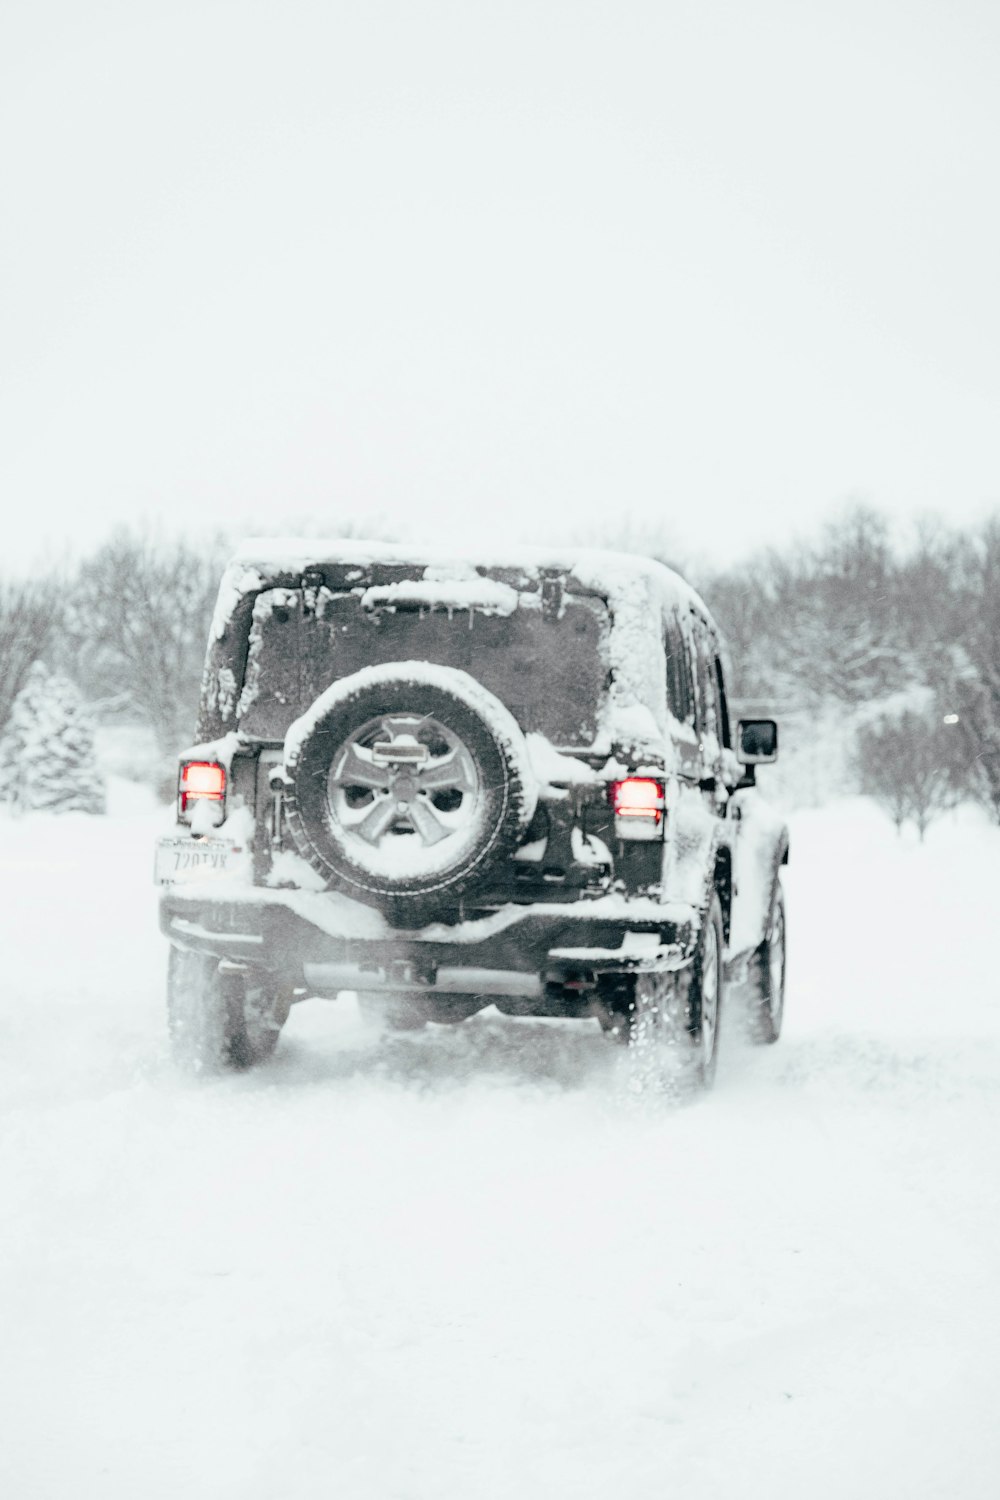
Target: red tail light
(200, 781)
(638, 803)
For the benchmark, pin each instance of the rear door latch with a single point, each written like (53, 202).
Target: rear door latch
(552, 595)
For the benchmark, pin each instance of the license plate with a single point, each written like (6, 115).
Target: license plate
(193, 859)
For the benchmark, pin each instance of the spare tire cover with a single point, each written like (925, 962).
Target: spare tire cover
(408, 784)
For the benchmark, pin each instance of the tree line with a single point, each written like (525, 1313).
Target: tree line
(903, 639)
(125, 629)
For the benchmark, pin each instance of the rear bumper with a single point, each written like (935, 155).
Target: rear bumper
(330, 943)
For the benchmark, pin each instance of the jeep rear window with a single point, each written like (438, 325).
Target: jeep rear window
(550, 668)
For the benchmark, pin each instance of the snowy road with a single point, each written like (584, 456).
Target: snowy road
(469, 1263)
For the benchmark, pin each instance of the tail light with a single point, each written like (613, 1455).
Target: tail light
(638, 804)
(201, 782)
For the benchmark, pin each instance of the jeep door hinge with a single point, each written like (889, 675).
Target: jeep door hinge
(311, 583)
(278, 783)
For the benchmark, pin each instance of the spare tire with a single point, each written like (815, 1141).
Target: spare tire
(407, 786)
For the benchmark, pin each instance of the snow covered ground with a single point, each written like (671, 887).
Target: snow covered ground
(470, 1263)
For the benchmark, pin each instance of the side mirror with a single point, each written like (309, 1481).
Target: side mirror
(757, 741)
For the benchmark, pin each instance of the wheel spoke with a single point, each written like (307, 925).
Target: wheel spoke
(395, 725)
(447, 773)
(377, 820)
(431, 791)
(426, 821)
(355, 769)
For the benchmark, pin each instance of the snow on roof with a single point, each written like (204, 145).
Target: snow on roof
(604, 571)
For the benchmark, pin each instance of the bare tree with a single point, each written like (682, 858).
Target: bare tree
(905, 763)
(27, 613)
(852, 579)
(815, 622)
(740, 603)
(136, 625)
(950, 592)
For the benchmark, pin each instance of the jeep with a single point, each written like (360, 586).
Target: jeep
(442, 783)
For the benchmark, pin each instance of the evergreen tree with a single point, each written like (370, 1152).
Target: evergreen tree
(48, 748)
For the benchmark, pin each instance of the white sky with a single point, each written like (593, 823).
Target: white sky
(712, 268)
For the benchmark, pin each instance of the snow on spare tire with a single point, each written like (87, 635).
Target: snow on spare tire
(407, 785)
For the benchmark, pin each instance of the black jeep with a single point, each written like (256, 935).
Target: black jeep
(443, 783)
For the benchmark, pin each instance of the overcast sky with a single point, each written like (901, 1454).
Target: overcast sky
(485, 267)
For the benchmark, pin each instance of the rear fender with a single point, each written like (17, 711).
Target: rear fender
(696, 858)
(760, 848)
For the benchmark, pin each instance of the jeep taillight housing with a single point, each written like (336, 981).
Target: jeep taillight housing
(639, 806)
(201, 783)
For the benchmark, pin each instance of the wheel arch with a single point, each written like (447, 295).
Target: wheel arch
(759, 851)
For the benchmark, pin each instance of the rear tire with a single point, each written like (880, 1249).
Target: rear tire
(766, 1004)
(221, 1021)
(673, 1028)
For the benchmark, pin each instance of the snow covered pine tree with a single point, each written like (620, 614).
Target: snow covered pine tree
(48, 748)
